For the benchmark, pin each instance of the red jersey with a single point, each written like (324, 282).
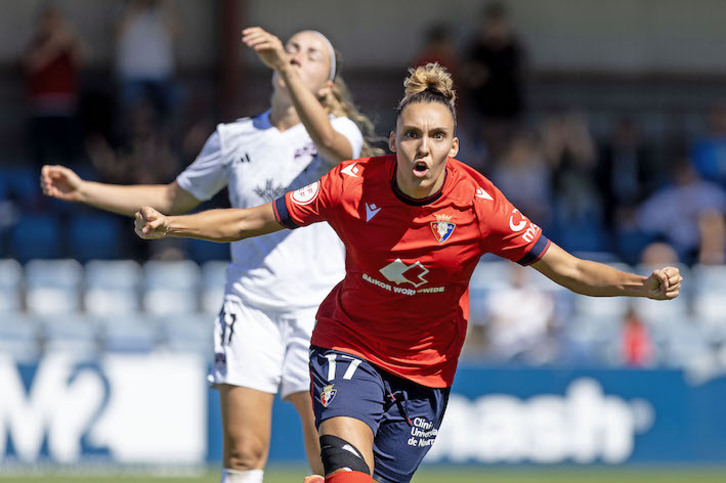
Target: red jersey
(403, 304)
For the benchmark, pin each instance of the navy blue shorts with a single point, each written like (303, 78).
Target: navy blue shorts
(404, 416)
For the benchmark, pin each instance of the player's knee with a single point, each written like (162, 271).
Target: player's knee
(337, 454)
(245, 453)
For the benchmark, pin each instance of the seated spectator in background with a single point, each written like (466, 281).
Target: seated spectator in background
(145, 157)
(626, 173)
(570, 152)
(636, 345)
(438, 48)
(524, 176)
(52, 62)
(709, 153)
(145, 62)
(493, 73)
(657, 253)
(521, 331)
(689, 216)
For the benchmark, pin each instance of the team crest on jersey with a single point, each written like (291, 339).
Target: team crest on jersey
(442, 228)
(328, 395)
(306, 194)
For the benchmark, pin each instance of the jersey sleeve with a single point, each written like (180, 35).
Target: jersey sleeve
(350, 130)
(507, 232)
(207, 175)
(310, 204)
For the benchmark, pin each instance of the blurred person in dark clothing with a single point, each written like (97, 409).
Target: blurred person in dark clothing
(627, 173)
(52, 63)
(438, 48)
(709, 152)
(494, 76)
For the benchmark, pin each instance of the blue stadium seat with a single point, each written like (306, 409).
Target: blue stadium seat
(170, 287)
(190, 333)
(93, 237)
(20, 337)
(112, 287)
(72, 334)
(36, 236)
(11, 284)
(128, 334)
(53, 286)
(214, 278)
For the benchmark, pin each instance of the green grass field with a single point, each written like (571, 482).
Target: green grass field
(434, 475)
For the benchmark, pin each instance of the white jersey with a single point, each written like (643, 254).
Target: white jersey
(285, 270)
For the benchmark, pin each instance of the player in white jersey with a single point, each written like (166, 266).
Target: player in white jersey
(274, 283)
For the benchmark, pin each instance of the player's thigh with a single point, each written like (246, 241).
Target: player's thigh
(407, 430)
(295, 370)
(246, 416)
(249, 349)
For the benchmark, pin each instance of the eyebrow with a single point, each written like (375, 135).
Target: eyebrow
(309, 49)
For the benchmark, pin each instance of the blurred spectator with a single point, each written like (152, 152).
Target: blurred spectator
(145, 157)
(636, 344)
(658, 254)
(523, 176)
(709, 152)
(627, 174)
(52, 63)
(145, 60)
(689, 216)
(439, 47)
(569, 149)
(494, 75)
(521, 331)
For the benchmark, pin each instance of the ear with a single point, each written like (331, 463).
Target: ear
(392, 141)
(454, 148)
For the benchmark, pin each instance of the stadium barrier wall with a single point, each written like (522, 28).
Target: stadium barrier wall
(157, 409)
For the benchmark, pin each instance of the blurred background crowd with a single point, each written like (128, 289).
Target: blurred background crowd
(624, 164)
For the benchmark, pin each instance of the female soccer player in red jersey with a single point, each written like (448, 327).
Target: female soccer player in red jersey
(387, 340)
(263, 331)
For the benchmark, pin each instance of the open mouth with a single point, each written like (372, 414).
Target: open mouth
(420, 169)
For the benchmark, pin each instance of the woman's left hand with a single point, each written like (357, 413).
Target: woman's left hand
(664, 284)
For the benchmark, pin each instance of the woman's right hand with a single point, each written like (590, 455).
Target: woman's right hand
(149, 224)
(268, 47)
(60, 182)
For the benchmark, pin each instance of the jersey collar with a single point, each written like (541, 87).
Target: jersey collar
(417, 201)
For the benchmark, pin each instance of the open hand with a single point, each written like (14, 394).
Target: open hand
(60, 182)
(664, 284)
(149, 224)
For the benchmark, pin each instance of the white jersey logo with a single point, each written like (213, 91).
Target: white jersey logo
(371, 210)
(480, 193)
(398, 272)
(518, 226)
(351, 170)
(306, 194)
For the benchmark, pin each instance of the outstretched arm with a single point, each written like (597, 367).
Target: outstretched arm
(63, 183)
(599, 280)
(214, 225)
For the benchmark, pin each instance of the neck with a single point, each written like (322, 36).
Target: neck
(283, 115)
(418, 191)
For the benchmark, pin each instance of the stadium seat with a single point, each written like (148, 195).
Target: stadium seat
(170, 287)
(53, 286)
(112, 287)
(11, 284)
(36, 236)
(135, 333)
(20, 337)
(95, 237)
(214, 278)
(71, 333)
(188, 333)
